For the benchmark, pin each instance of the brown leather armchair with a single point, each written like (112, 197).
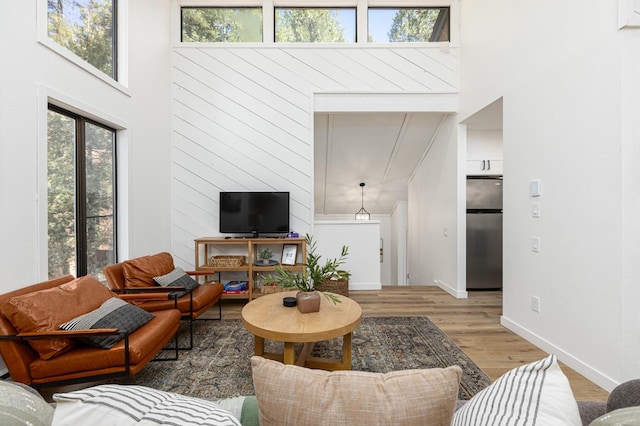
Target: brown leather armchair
(39, 354)
(137, 275)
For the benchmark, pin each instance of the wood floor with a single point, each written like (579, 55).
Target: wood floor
(473, 323)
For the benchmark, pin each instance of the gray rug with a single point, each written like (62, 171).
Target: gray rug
(219, 364)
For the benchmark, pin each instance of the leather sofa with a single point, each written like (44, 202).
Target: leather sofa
(137, 275)
(39, 354)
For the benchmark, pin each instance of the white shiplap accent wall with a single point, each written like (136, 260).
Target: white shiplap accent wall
(242, 119)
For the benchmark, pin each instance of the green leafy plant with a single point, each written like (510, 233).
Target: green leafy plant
(265, 254)
(314, 272)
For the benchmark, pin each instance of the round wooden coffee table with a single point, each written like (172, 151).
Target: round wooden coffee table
(266, 318)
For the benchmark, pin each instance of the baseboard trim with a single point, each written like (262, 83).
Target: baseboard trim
(452, 291)
(365, 286)
(602, 380)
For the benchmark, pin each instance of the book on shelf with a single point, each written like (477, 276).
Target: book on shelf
(234, 287)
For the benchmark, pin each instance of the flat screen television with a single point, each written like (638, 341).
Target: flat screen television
(254, 213)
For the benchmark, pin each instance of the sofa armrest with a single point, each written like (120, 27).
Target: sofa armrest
(31, 335)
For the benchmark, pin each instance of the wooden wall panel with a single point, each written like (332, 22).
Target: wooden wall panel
(242, 119)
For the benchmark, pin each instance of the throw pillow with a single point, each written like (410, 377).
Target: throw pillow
(139, 272)
(125, 405)
(114, 313)
(533, 394)
(45, 310)
(21, 405)
(178, 278)
(292, 395)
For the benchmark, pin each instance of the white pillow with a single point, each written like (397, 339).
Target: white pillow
(533, 394)
(124, 405)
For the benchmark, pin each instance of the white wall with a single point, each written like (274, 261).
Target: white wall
(396, 252)
(32, 72)
(562, 124)
(433, 213)
(362, 239)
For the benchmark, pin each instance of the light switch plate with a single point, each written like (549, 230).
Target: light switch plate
(535, 209)
(535, 244)
(534, 188)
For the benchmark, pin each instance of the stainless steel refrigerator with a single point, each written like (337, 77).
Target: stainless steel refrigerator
(484, 233)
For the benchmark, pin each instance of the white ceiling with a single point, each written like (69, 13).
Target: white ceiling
(380, 149)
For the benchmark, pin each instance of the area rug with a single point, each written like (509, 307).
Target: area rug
(219, 364)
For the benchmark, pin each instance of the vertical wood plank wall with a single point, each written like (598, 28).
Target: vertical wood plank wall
(242, 119)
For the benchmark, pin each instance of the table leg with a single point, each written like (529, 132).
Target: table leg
(346, 351)
(304, 353)
(289, 353)
(259, 345)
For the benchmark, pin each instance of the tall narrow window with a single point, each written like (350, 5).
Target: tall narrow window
(81, 194)
(408, 24)
(87, 28)
(315, 25)
(221, 24)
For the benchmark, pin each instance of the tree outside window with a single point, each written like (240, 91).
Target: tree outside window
(81, 195)
(87, 28)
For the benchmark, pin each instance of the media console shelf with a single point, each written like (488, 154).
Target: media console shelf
(207, 247)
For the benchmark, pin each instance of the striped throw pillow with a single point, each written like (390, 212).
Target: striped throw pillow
(114, 313)
(533, 394)
(125, 405)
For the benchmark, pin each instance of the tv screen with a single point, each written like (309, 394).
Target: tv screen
(254, 212)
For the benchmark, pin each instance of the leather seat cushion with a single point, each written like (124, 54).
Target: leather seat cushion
(139, 272)
(142, 343)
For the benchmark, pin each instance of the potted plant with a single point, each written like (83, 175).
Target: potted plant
(265, 255)
(313, 274)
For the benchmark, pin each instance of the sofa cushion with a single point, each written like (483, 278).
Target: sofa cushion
(536, 393)
(114, 313)
(288, 394)
(176, 278)
(136, 405)
(139, 272)
(45, 310)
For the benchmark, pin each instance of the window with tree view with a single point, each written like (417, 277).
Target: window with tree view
(220, 24)
(408, 24)
(81, 194)
(87, 28)
(311, 25)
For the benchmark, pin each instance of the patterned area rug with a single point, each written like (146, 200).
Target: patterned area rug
(219, 364)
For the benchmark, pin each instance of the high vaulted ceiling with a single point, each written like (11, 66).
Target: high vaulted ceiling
(380, 149)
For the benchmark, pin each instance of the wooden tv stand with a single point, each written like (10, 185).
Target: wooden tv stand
(207, 247)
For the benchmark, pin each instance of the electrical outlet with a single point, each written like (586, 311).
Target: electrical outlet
(535, 303)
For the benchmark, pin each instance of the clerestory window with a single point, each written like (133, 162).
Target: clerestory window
(315, 25)
(221, 24)
(394, 25)
(87, 28)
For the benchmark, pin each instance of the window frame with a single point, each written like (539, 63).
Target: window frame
(243, 6)
(410, 7)
(80, 190)
(323, 7)
(120, 37)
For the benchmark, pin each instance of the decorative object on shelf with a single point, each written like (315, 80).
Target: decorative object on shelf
(289, 254)
(362, 214)
(338, 285)
(265, 256)
(225, 261)
(313, 273)
(292, 235)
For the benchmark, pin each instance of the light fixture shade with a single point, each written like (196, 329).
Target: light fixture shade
(362, 214)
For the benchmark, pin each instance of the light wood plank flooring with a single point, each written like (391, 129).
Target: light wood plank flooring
(473, 323)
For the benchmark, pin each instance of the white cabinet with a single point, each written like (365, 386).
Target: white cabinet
(484, 167)
(484, 152)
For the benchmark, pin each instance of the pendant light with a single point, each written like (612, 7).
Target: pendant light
(362, 214)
